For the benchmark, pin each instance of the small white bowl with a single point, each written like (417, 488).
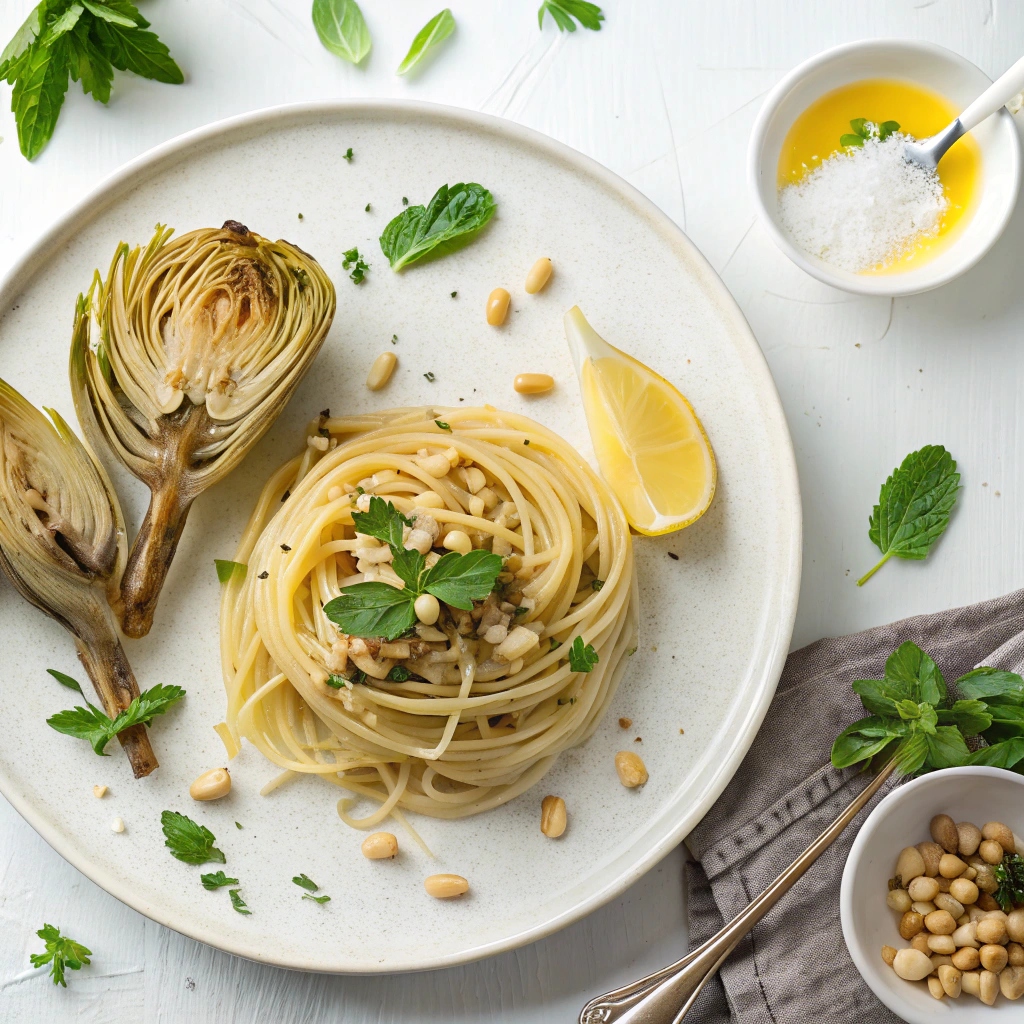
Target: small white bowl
(901, 819)
(934, 67)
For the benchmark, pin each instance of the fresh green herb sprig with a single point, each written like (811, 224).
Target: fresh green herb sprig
(188, 840)
(563, 11)
(863, 129)
(914, 506)
(61, 954)
(342, 28)
(381, 610)
(307, 883)
(452, 218)
(217, 879)
(582, 657)
(84, 40)
(914, 719)
(92, 724)
(1010, 876)
(435, 32)
(348, 155)
(237, 902)
(352, 259)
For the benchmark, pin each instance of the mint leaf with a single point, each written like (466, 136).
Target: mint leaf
(317, 899)
(912, 753)
(913, 673)
(914, 506)
(984, 683)
(38, 95)
(399, 674)
(22, 40)
(237, 902)
(89, 64)
(435, 32)
(971, 717)
(216, 880)
(1006, 754)
(342, 28)
(946, 748)
(452, 218)
(383, 521)
(563, 11)
(372, 610)
(65, 23)
(459, 580)
(305, 882)
(138, 51)
(189, 841)
(61, 953)
(865, 738)
(851, 140)
(104, 13)
(887, 128)
(354, 260)
(859, 125)
(228, 570)
(582, 658)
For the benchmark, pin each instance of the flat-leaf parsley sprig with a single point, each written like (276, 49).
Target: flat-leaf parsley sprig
(85, 40)
(90, 723)
(188, 840)
(380, 610)
(914, 506)
(61, 953)
(563, 11)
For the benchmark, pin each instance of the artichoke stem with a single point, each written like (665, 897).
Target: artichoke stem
(107, 665)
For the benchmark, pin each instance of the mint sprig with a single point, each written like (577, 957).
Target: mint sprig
(914, 506)
(563, 11)
(914, 719)
(378, 609)
(84, 40)
(863, 129)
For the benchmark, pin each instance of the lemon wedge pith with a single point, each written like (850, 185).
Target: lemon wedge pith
(649, 443)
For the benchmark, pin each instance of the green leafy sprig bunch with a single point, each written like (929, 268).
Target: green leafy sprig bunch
(914, 719)
(84, 40)
(862, 129)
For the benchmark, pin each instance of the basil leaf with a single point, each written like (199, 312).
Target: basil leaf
(877, 696)
(991, 682)
(372, 610)
(859, 125)
(1000, 755)
(563, 11)
(887, 128)
(452, 218)
(914, 506)
(909, 670)
(863, 739)
(971, 717)
(459, 580)
(342, 28)
(383, 521)
(435, 32)
(946, 748)
(317, 899)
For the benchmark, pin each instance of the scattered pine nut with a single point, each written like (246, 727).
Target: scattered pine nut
(539, 275)
(381, 370)
(117, 825)
(99, 792)
(533, 383)
(552, 816)
(444, 887)
(380, 846)
(211, 785)
(497, 306)
(631, 769)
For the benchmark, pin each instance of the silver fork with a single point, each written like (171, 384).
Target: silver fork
(665, 996)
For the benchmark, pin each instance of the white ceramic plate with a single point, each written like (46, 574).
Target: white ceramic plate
(716, 623)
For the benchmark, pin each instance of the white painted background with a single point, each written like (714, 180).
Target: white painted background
(665, 95)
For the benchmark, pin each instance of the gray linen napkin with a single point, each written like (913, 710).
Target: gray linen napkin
(794, 965)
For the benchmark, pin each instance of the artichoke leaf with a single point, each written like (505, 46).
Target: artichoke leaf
(62, 545)
(203, 338)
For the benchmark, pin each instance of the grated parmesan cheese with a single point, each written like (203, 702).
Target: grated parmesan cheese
(864, 207)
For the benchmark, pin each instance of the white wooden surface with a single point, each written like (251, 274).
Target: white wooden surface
(664, 95)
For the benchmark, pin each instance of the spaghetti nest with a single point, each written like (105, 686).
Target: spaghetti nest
(462, 715)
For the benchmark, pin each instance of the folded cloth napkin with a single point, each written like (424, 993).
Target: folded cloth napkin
(794, 965)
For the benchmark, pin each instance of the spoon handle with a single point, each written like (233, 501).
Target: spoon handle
(998, 94)
(665, 996)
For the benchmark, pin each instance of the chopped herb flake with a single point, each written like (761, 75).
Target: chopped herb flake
(263, 575)
(351, 258)
(582, 658)
(443, 425)
(347, 155)
(367, 208)
(430, 376)
(399, 674)
(237, 902)
(285, 547)
(596, 584)
(305, 882)
(217, 879)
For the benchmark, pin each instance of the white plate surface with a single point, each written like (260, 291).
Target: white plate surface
(715, 623)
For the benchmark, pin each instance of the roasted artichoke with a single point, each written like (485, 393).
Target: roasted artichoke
(62, 544)
(203, 339)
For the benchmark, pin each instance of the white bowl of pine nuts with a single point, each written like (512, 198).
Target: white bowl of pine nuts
(948, 831)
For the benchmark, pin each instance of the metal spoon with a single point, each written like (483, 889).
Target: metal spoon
(665, 996)
(928, 152)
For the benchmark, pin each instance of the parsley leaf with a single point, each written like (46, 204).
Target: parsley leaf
(435, 32)
(452, 218)
(355, 261)
(228, 570)
(217, 879)
(317, 899)
(189, 841)
(348, 154)
(61, 953)
(342, 28)
(65, 680)
(399, 674)
(914, 506)
(237, 902)
(382, 521)
(372, 609)
(459, 580)
(305, 882)
(582, 658)
(563, 11)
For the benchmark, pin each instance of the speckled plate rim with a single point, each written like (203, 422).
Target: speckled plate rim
(771, 646)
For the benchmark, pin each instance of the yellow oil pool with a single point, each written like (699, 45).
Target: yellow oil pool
(920, 112)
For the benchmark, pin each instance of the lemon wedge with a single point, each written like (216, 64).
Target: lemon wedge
(650, 445)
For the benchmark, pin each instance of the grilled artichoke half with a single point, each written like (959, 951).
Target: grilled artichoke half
(203, 339)
(62, 544)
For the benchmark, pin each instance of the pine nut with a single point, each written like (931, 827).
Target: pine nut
(456, 540)
(923, 888)
(211, 785)
(436, 465)
(1015, 925)
(631, 769)
(964, 890)
(940, 922)
(533, 383)
(443, 887)
(539, 275)
(497, 306)
(429, 499)
(910, 924)
(117, 825)
(1015, 954)
(951, 866)
(380, 373)
(970, 982)
(943, 944)
(948, 903)
(475, 479)
(1011, 982)
(920, 943)
(427, 609)
(552, 816)
(99, 792)
(476, 506)
(966, 959)
(380, 846)
(991, 930)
